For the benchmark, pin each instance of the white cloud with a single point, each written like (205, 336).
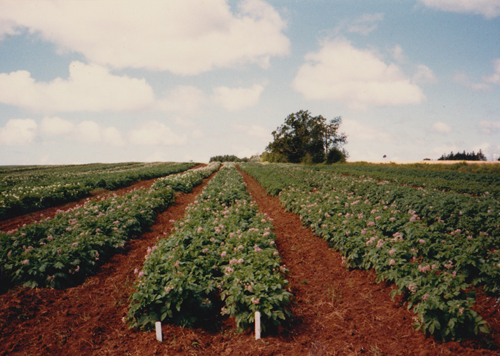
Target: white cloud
(183, 122)
(488, 8)
(153, 133)
(495, 77)
(90, 132)
(243, 152)
(465, 80)
(88, 88)
(261, 132)
(438, 151)
(194, 132)
(366, 23)
(233, 99)
(197, 134)
(397, 53)
(158, 156)
(441, 127)
(490, 151)
(183, 99)
(111, 136)
(486, 83)
(342, 73)
(363, 132)
(424, 75)
(55, 126)
(489, 127)
(86, 132)
(18, 132)
(184, 37)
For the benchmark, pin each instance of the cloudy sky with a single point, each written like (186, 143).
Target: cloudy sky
(178, 80)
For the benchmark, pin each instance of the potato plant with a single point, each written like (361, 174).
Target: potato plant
(62, 251)
(36, 188)
(220, 259)
(434, 246)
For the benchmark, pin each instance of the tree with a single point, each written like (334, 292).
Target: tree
(227, 158)
(306, 138)
(465, 156)
(335, 155)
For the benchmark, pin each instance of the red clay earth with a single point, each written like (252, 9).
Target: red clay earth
(335, 311)
(18, 221)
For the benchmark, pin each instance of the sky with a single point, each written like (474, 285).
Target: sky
(179, 80)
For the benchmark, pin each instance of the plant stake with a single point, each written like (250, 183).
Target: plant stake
(257, 325)
(159, 335)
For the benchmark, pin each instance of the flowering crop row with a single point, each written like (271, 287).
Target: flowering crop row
(220, 258)
(62, 251)
(185, 181)
(434, 246)
(11, 176)
(23, 192)
(460, 182)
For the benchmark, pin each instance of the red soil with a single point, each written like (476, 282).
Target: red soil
(335, 311)
(18, 221)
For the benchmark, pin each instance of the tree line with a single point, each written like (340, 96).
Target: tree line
(464, 156)
(232, 158)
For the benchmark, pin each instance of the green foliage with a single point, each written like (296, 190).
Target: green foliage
(227, 158)
(416, 175)
(221, 254)
(465, 156)
(31, 188)
(305, 138)
(336, 155)
(465, 167)
(434, 246)
(184, 182)
(62, 251)
(273, 157)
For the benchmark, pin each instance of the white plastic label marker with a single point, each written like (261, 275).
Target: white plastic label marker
(257, 325)
(159, 335)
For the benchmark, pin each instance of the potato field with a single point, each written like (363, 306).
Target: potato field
(339, 260)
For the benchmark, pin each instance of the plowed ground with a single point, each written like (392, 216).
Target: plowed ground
(335, 311)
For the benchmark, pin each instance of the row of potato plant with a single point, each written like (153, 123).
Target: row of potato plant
(11, 176)
(460, 182)
(434, 246)
(220, 258)
(62, 251)
(24, 192)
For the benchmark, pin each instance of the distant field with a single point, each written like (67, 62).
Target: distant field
(435, 162)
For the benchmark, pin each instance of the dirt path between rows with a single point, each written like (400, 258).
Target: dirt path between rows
(342, 312)
(86, 320)
(18, 221)
(49, 213)
(336, 311)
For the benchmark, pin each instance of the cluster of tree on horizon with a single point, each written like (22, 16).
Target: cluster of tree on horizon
(307, 139)
(232, 158)
(464, 156)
